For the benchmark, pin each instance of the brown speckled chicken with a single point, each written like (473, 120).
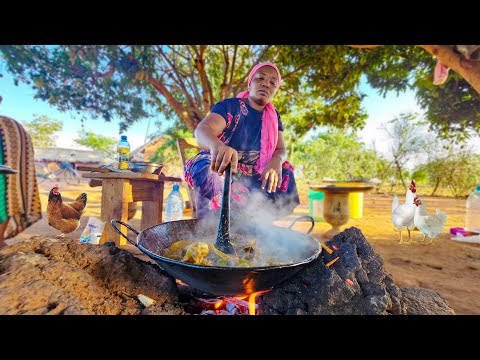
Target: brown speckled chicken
(64, 217)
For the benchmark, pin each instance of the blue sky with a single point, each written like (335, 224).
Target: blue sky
(19, 104)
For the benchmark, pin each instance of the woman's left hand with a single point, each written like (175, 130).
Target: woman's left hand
(272, 174)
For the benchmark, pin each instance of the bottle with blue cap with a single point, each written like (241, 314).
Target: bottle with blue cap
(174, 206)
(123, 151)
(472, 221)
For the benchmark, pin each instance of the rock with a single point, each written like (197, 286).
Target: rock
(319, 290)
(51, 275)
(425, 302)
(145, 300)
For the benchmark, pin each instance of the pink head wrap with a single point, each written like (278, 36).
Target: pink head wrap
(269, 136)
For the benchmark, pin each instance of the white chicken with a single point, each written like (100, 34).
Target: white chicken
(429, 225)
(402, 215)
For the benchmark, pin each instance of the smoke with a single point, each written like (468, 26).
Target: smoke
(253, 221)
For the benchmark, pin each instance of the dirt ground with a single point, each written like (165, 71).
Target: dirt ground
(450, 268)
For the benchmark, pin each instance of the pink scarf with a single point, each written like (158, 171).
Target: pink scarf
(269, 136)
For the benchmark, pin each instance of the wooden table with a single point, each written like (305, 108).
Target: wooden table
(336, 206)
(119, 189)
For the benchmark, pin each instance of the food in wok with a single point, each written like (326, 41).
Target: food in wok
(203, 252)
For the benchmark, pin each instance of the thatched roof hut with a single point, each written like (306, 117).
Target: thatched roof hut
(72, 155)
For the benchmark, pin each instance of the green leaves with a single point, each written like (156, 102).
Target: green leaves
(335, 154)
(74, 78)
(97, 142)
(42, 130)
(321, 84)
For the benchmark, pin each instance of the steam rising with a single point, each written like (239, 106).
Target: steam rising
(274, 245)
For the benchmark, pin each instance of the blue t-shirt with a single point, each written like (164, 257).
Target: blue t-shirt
(243, 133)
(244, 124)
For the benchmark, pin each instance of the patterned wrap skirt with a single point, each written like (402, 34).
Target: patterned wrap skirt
(247, 196)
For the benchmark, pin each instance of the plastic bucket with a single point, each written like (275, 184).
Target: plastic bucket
(356, 205)
(315, 204)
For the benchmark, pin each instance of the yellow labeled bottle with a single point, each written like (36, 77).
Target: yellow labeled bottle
(123, 151)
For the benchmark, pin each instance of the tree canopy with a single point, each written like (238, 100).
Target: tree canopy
(42, 130)
(320, 82)
(97, 142)
(337, 155)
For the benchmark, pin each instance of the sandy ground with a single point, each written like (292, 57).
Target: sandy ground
(448, 267)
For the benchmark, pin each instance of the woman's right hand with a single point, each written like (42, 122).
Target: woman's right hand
(223, 155)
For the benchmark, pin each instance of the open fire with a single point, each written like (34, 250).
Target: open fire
(241, 305)
(205, 304)
(197, 302)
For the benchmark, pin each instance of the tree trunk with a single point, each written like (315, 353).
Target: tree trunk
(182, 111)
(469, 70)
(399, 168)
(437, 183)
(207, 95)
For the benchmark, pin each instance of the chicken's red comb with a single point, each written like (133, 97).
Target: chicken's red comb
(413, 187)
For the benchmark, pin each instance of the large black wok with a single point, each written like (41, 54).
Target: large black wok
(219, 280)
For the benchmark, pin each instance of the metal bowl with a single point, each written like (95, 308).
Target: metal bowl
(146, 167)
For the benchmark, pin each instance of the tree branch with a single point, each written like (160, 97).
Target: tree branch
(177, 53)
(206, 87)
(179, 108)
(224, 85)
(179, 77)
(233, 63)
(228, 88)
(469, 70)
(286, 76)
(198, 98)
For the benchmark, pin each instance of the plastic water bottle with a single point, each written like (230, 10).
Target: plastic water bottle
(472, 222)
(123, 151)
(174, 206)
